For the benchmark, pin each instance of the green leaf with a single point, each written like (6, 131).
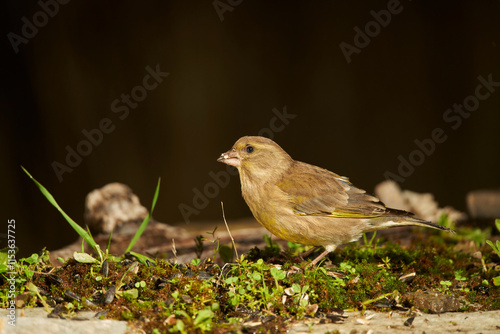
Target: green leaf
(35, 292)
(179, 325)
(146, 220)
(497, 224)
(34, 258)
(131, 294)
(183, 313)
(231, 280)
(4, 257)
(445, 283)
(496, 280)
(256, 276)
(29, 273)
(112, 258)
(495, 248)
(277, 273)
(140, 284)
(84, 258)
(203, 316)
(32, 288)
(81, 232)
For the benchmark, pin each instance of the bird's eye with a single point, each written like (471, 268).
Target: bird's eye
(249, 149)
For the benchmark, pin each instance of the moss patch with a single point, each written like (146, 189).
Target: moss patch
(267, 287)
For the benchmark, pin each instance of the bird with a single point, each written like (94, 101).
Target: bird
(307, 204)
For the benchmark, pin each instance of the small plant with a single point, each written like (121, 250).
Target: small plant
(195, 262)
(215, 242)
(445, 286)
(347, 268)
(496, 249)
(369, 247)
(479, 236)
(370, 242)
(140, 285)
(20, 273)
(387, 262)
(459, 277)
(278, 275)
(87, 237)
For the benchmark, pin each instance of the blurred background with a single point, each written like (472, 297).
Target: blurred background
(163, 87)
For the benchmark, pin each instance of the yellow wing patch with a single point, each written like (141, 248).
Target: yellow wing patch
(339, 214)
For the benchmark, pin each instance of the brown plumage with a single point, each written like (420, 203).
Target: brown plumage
(307, 204)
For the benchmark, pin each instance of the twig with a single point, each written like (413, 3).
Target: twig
(174, 250)
(228, 231)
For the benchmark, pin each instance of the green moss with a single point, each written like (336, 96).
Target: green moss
(204, 298)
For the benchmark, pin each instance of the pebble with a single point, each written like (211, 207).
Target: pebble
(433, 302)
(484, 204)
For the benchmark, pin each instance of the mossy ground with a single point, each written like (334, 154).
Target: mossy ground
(271, 287)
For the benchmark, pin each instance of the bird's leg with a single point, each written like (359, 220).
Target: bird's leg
(308, 252)
(319, 257)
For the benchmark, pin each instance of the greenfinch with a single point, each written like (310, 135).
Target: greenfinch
(306, 204)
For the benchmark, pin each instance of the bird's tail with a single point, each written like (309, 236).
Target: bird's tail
(402, 218)
(424, 223)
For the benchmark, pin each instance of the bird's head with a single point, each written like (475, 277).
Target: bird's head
(257, 158)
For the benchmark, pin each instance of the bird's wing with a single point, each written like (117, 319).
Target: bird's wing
(316, 191)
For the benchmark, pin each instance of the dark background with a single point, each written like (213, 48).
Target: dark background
(226, 77)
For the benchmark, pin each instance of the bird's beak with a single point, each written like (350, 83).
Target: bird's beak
(231, 158)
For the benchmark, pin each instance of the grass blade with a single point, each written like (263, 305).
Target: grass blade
(81, 232)
(145, 222)
(143, 258)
